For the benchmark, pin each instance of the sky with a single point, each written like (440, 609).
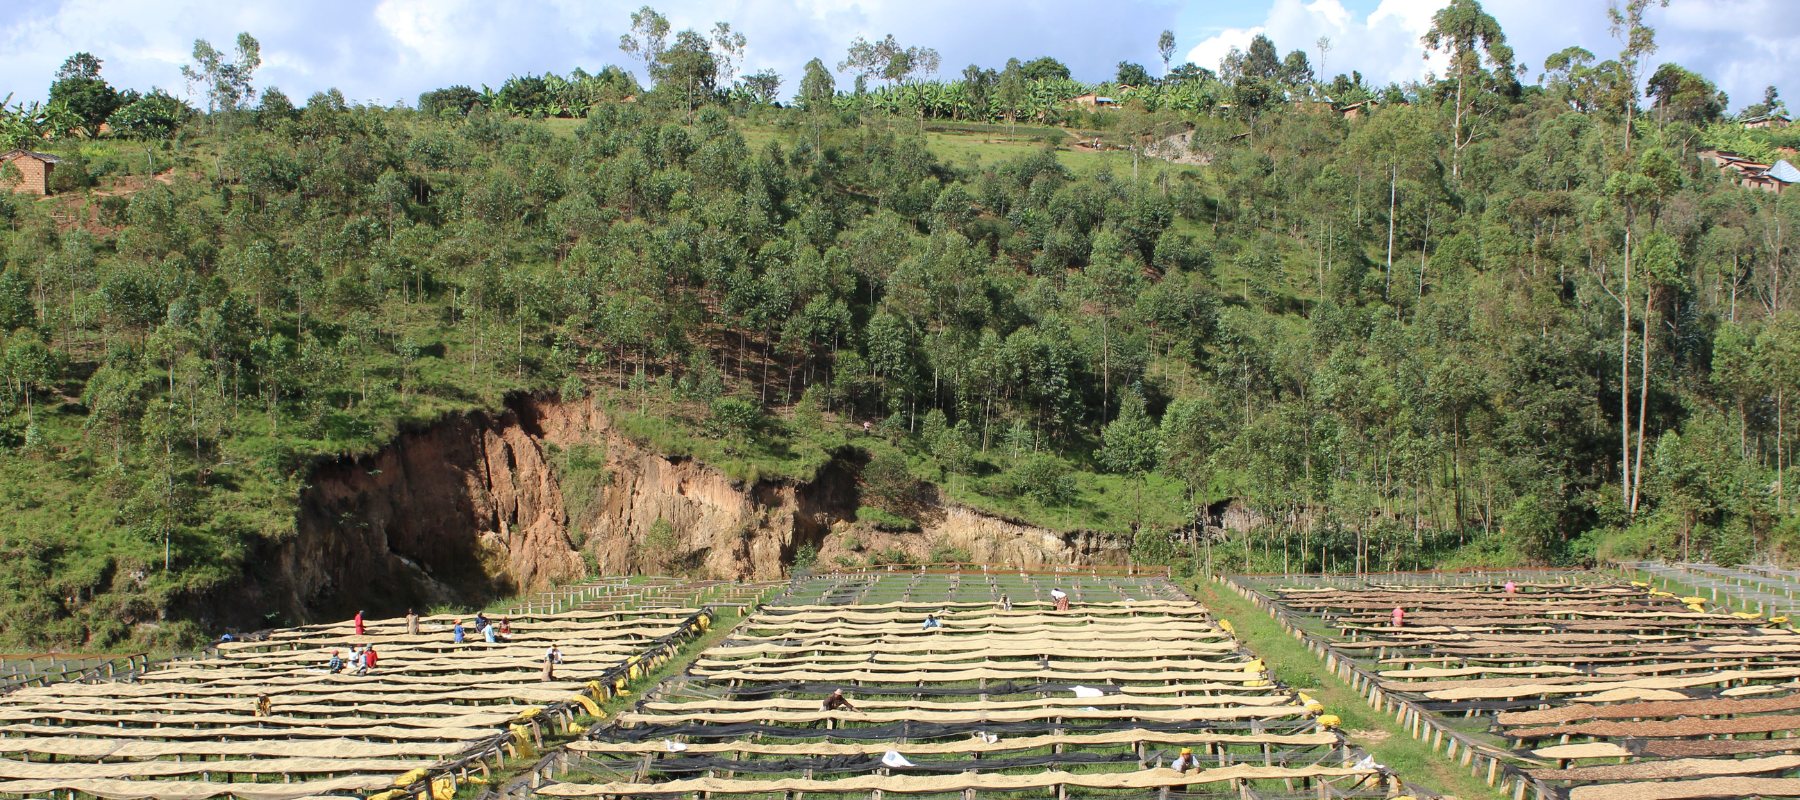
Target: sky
(388, 51)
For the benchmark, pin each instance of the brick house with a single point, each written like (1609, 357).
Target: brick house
(36, 168)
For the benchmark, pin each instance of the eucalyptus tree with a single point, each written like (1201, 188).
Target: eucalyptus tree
(1467, 34)
(1636, 40)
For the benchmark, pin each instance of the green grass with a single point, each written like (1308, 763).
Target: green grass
(1103, 502)
(1294, 664)
(966, 149)
(884, 520)
(778, 449)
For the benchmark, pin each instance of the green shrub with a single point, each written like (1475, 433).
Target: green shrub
(943, 553)
(892, 555)
(805, 556)
(886, 521)
(1046, 479)
(886, 481)
(734, 419)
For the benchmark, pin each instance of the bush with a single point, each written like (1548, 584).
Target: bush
(805, 556)
(1046, 479)
(892, 555)
(734, 419)
(943, 553)
(886, 481)
(455, 99)
(156, 115)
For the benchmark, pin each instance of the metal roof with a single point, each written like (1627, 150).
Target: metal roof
(44, 157)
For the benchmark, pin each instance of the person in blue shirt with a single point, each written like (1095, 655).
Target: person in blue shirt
(487, 632)
(456, 632)
(337, 663)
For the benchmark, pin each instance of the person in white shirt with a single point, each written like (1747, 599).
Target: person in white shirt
(1186, 761)
(552, 657)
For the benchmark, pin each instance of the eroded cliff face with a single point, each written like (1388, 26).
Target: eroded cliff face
(996, 540)
(716, 527)
(461, 512)
(472, 508)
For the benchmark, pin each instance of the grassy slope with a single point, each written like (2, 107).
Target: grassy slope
(1298, 668)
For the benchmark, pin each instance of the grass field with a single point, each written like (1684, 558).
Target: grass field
(1376, 733)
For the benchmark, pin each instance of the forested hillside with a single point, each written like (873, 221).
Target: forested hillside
(1477, 321)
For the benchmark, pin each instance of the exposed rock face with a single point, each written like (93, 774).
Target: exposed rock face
(472, 508)
(466, 510)
(717, 527)
(996, 540)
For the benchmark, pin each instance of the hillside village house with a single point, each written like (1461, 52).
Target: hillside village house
(35, 169)
(1355, 110)
(1752, 174)
(1770, 121)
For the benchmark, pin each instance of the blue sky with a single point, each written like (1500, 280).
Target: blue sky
(390, 50)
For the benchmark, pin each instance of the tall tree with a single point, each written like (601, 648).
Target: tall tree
(728, 51)
(648, 38)
(1165, 46)
(1132, 445)
(227, 83)
(79, 87)
(1636, 41)
(1466, 33)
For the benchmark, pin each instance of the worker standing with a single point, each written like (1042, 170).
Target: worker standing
(456, 632)
(1399, 616)
(359, 623)
(412, 623)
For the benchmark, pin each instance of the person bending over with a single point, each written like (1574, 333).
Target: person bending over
(837, 701)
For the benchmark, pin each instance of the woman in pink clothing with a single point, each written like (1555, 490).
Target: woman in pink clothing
(1399, 616)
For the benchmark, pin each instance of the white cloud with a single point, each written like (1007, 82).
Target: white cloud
(1384, 46)
(1210, 52)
